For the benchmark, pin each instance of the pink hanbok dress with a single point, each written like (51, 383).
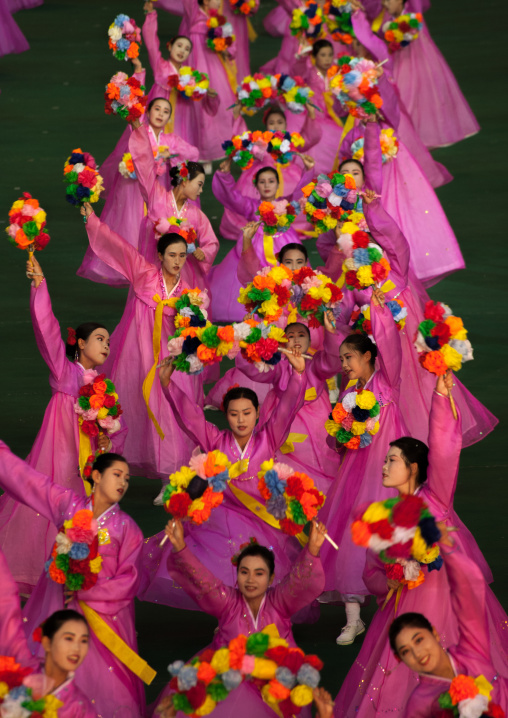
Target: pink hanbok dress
(471, 655)
(224, 281)
(359, 478)
(104, 679)
(242, 38)
(132, 357)
(300, 587)
(377, 682)
(26, 536)
(232, 523)
(277, 21)
(12, 39)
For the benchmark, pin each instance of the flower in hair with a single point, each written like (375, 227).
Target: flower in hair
(37, 635)
(71, 336)
(251, 542)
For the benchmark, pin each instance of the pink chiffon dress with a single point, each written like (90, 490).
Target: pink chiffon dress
(277, 21)
(17, 5)
(12, 39)
(103, 678)
(132, 357)
(377, 682)
(303, 584)
(27, 536)
(233, 523)
(242, 38)
(224, 282)
(471, 655)
(359, 478)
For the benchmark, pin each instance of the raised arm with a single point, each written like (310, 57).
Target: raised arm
(12, 636)
(306, 177)
(326, 362)
(47, 330)
(373, 162)
(376, 46)
(178, 146)
(278, 425)
(140, 148)
(302, 585)
(274, 376)
(248, 266)
(386, 335)
(151, 40)
(311, 131)
(224, 190)
(445, 444)
(191, 418)
(388, 234)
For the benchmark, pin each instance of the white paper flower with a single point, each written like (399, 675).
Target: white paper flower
(349, 401)
(411, 569)
(115, 33)
(464, 347)
(63, 543)
(473, 707)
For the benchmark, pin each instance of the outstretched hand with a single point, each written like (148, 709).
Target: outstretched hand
(249, 231)
(199, 254)
(316, 537)
(148, 6)
(444, 383)
(324, 703)
(378, 297)
(296, 360)
(174, 532)
(225, 166)
(86, 210)
(329, 321)
(308, 161)
(34, 271)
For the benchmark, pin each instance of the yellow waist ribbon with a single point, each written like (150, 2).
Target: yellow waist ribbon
(397, 598)
(117, 645)
(170, 124)
(289, 445)
(268, 249)
(350, 383)
(257, 508)
(387, 286)
(156, 344)
(240, 467)
(253, 36)
(280, 175)
(350, 123)
(376, 24)
(329, 98)
(230, 70)
(85, 449)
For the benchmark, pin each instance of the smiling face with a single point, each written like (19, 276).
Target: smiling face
(180, 50)
(276, 122)
(355, 365)
(174, 258)
(351, 168)
(420, 650)
(267, 185)
(396, 473)
(294, 259)
(159, 114)
(111, 486)
(324, 58)
(297, 338)
(253, 577)
(242, 417)
(194, 187)
(68, 647)
(95, 350)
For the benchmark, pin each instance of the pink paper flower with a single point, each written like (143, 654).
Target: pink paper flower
(89, 414)
(175, 346)
(197, 464)
(89, 375)
(324, 189)
(79, 535)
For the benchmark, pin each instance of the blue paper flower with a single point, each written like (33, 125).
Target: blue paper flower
(435, 565)
(361, 256)
(286, 677)
(175, 667)
(274, 483)
(309, 676)
(187, 678)
(79, 551)
(231, 679)
(122, 44)
(120, 19)
(219, 482)
(365, 440)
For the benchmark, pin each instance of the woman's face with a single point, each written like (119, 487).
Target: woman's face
(297, 338)
(253, 577)
(95, 349)
(194, 187)
(180, 50)
(276, 122)
(242, 417)
(351, 168)
(324, 58)
(420, 649)
(393, 7)
(212, 4)
(159, 114)
(68, 647)
(174, 258)
(267, 185)
(113, 483)
(396, 473)
(355, 365)
(294, 259)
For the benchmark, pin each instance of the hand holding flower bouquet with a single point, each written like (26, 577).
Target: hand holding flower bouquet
(329, 199)
(294, 92)
(256, 91)
(354, 420)
(84, 183)
(97, 406)
(268, 293)
(365, 264)
(469, 697)
(401, 31)
(25, 693)
(277, 216)
(313, 294)
(124, 38)
(190, 83)
(75, 560)
(27, 222)
(259, 343)
(245, 148)
(196, 342)
(125, 96)
(338, 20)
(389, 147)
(284, 145)
(360, 318)
(353, 80)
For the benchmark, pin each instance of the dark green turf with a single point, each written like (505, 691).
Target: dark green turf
(52, 101)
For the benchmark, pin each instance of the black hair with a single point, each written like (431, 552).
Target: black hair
(319, 45)
(105, 461)
(289, 247)
(406, 620)
(265, 169)
(178, 37)
(152, 103)
(240, 392)
(414, 452)
(361, 343)
(273, 110)
(261, 551)
(357, 162)
(167, 240)
(298, 324)
(54, 623)
(82, 332)
(195, 169)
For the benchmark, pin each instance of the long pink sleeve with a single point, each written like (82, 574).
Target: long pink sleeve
(274, 376)
(311, 131)
(208, 242)
(191, 418)
(248, 266)
(373, 162)
(151, 39)
(374, 44)
(211, 107)
(47, 330)
(152, 191)
(387, 339)
(12, 636)
(278, 425)
(224, 190)
(445, 444)
(178, 146)
(326, 362)
(303, 584)
(388, 234)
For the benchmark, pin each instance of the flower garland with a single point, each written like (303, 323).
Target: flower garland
(313, 294)
(247, 8)
(259, 343)
(277, 216)
(245, 148)
(338, 19)
(400, 31)
(307, 21)
(195, 490)
(256, 91)
(196, 342)
(97, 405)
(354, 80)
(23, 693)
(268, 293)
(283, 145)
(84, 183)
(190, 83)
(365, 264)
(441, 340)
(220, 32)
(389, 146)
(125, 96)
(290, 496)
(75, 560)
(354, 420)
(328, 199)
(404, 534)
(360, 318)
(178, 226)
(294, 92)
(27, 222)
(286, 676)
(124, 38)
(469, 697)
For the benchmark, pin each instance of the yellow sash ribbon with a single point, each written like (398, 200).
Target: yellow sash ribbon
(280, 175)
(348, 126)
(156, 345)
(289, 445)
(350, 383)
(253, 36)
(387, 286)
(240, 467)
(259, 510)
(170, 124)
(376, 24)
(268, 249)
(311, 394)
(85, 449)
(230, 70)
(329, 98)
(397, 598)
(117, 645)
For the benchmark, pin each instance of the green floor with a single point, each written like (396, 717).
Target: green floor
(51, 101)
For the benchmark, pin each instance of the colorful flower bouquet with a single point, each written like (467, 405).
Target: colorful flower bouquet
(75, 560)
(97, 405)
(277, 216)
(404, 534)
(313, 294)
(259, 343)
(338, 20)
(400, 31)
(353, 80)
(268, 293)
(245, 148)
(441, 340)
(329, 199)
(469, 697)
(308, 21)
(190, 83)
(286, 676)
(220, 32)
(244, 7)
(27, 221)
(126, 165)
(365, 264)
(84, 183)
(23, 693)
(196, 343)
(124, 38)
(125, 96)
(178, 226)
(290, 496)
(256, 91)
(283, 145)
(354, 420)
(360, 318)
(389, 146)
(294, 92)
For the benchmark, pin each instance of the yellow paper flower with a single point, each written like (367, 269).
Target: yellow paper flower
(364, 276)
(4, 689)
(452, 357)
(358, 428)
(375, 429)
(267, 696)
(264, 669)
(213, 22)
(277, 333)
(220, 660)
(331, 427)
(207, 707)
(103, 412)
(365, 400)
(51, 706)
(349, 228)
(376, 512)
(279, 274)
(484, 687)
(301, 695)
(243, 296)
(68, 524)
(282, 220)
(182, 478)
(329, 222)
(18, 204)
(40, 217)
(96, 564)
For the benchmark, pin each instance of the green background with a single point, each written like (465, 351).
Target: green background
(52, 101)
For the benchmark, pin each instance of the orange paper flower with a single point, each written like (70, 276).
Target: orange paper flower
(237, 648)
(360, 533)
(206, 673)
(461, 688)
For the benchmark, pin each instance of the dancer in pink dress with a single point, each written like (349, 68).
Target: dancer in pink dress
(26, 536)
(427, 86)
(112, 596)
(252, 605)
(377, 682)
(224, 281)
(415, 641)
(242, 513)
(12, 39)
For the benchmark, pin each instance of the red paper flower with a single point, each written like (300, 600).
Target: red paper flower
(90, 428)
(407, 512)
(277, 654)
(196, 695)
(360, 240)
(434, 311)
(351, 279)
(294, 660)
(289, 527)
(382, 528)
(179, 505)
(442, 332)
(394, 571)
(314, 661)
(301, 274)
(400, 550)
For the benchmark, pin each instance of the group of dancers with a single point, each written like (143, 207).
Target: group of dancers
(239, 566)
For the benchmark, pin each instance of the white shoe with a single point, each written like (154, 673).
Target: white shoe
(350, 632)
(158, 500)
